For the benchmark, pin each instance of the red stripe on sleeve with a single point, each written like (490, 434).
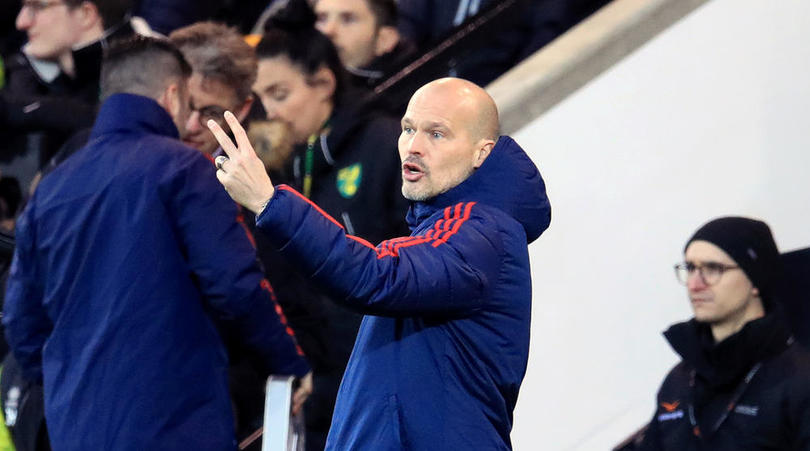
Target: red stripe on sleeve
(444, 228)
(457, 224)
(315, 206)
(265, 284)
(325, 214)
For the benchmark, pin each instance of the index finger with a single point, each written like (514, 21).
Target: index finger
(238, 131)
(222, 138)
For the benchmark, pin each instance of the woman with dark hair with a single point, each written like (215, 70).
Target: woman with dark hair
(345, 160)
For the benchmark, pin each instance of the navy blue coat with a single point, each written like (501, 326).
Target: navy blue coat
(126, 255)
(441, 354)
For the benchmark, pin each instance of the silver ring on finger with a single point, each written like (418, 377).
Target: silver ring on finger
(219, 161)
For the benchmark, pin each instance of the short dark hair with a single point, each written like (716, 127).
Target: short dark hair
(385, 12)
(218, 52)
(112, 12)
(142, 65)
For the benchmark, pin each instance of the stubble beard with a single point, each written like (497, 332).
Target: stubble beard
(415, 193)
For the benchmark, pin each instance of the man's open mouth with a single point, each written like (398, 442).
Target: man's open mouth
(412, 172)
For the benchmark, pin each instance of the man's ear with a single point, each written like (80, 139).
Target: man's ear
(244, 109)
(89, 16)
(482, 152)
(324, 81)
(387, 39)
(170, 100)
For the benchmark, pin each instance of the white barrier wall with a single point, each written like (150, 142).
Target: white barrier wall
(710, 118)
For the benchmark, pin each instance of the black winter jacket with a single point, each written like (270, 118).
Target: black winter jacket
(749, 392)
(41, 107)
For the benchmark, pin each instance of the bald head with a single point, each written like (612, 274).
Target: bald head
(475, 107)
(448, 130)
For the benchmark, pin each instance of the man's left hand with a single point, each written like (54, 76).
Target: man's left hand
(242, 174)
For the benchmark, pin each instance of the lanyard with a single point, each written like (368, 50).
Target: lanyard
(735, 398)
(309, 157)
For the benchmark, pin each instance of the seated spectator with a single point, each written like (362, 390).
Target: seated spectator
(366, 36)
(742, 382)
(51, 87)
(345, 159)
(223, 69)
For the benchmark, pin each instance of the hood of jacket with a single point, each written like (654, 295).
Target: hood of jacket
(507, 180)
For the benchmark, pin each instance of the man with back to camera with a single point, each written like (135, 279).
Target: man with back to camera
(443, 348)
(126, 256)
(743, 382)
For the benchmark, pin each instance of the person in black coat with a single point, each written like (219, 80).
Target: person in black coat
(743, 382)
(52, 85)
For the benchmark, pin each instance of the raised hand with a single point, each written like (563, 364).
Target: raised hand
(242, 173)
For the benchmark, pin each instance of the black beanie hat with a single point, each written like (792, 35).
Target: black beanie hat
(750, 243)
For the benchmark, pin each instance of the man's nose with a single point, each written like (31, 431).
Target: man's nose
(327, 27)
(415, 144)
(695, 281)
(24, 19)
(193, 122)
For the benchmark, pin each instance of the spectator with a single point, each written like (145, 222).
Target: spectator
(126, 256)
(223, 70)
(366, 36)
(345, 160)
(742, 382)
(52, 85)
(443, 349)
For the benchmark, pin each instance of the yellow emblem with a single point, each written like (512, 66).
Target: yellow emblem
(348, 180)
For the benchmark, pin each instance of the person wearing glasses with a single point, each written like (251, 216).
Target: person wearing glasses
(223, 70)
(52, 84)
(743, 382)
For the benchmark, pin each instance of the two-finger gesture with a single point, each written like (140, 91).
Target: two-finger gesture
(242, 173)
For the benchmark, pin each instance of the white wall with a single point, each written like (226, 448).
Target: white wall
(710, 118)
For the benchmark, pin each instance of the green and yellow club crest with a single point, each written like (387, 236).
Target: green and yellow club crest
(348, 180)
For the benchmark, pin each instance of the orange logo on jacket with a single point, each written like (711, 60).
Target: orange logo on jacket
(670, 406)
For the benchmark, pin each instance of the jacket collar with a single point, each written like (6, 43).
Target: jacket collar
(725, 363)
(135, 114)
